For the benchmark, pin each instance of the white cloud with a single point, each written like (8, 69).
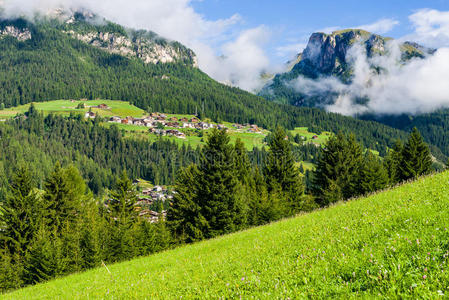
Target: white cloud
(420, 86)
(380, 27)
(243, 50)
(431, 27)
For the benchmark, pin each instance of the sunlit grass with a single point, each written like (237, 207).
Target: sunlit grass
(389, 245)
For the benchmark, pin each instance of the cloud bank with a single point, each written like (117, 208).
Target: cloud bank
(419, 86)
(225, 52)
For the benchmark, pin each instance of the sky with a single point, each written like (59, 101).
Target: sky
(292, 22)
(237, 41)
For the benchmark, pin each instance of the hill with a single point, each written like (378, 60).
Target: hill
(392, 244)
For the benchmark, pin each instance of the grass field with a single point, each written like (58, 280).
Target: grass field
(65, 107)
(304, 131)
(394, 244)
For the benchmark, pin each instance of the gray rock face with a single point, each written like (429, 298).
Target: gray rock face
(326, 53)
(144, 49)
(20, 34)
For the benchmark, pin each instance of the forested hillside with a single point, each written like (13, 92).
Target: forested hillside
(52, 65)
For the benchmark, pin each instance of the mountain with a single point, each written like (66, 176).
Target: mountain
(392, 244)
(67, 56)
(329, 56)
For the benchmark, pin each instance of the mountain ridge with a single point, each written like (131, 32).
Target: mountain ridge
(327, 55)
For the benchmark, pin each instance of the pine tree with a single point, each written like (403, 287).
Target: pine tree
(281, 173)
(242, 163)
(184, 217)
(44, 260)
(338, 170)
(392, 162)
(221, 204)
(64, 190)
(123, 199)
(20, 213)
(373, 175)
(416, 158)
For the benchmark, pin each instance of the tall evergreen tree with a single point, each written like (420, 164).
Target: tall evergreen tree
(184, 217)
(63, 193)
(20, 214)
(416, 158)
(373, 176)
(221, 204)
(338, 170)
(123, 199)
(392, 162)
(280, 171)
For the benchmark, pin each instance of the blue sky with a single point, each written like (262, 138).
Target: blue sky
(293, 21)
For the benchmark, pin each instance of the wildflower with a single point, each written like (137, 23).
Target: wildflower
(243, 278)
(425, 269)
(424, 277)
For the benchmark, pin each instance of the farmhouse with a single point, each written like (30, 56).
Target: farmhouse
(90, 115)
(102, 106)
(115, 120)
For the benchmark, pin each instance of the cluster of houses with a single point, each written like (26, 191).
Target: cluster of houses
(146, 202)
(157, 120)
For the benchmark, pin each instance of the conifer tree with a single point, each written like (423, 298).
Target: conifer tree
(184, 217)
(221, 205)
(242, 163)
(392, 162)
(373, 175)
(63, 193)
(123, 199)
(281, 173)
(21, 213)
(416, 158)
(337, 171)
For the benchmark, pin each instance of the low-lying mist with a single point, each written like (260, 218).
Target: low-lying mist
(389, 85)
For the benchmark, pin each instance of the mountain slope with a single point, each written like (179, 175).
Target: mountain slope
(328, 55)
(392, 244)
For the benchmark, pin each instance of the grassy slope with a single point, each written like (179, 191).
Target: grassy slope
(388, 245)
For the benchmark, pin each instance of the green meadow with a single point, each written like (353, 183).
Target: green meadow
(394, 244)
(65, 107)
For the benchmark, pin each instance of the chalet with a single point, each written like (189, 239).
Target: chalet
(174, 119)
(138, 122)
(161, 118)
(154, 115)
(103, 106)
(115, 120)
(172, 124)
(90, 115)
(221, 126)
(184, 120)
(188, 125)
(125, 121)
(238, 126)
(204, 125)
(194, 120)
(148, 123)
(315, 137)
